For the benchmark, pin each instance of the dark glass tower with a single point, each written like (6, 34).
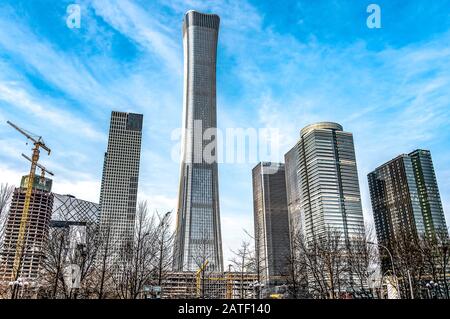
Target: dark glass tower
(428, 191)
(271, 221)
(405, 198)
(198, 236)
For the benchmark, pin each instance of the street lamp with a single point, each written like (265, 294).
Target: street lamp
(392, 263)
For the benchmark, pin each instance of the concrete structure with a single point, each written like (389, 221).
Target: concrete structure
(40, 211)
(198, 235)
(271, 221)
(119, 187)
(182, 285)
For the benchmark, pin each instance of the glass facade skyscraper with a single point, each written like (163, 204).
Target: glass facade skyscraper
(405, 198)
(428, 191)
(271, 221)
(118, 194)
(324, 193)
(198, 236)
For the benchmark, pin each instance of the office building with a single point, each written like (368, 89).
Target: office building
(119, 186)
(326, 182)
(198, 235)
(428, 191)
(271, 222)
(405, 199)
(324, 198)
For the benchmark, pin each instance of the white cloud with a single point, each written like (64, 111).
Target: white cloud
(137, 24)
(13, 94)
(233, 234)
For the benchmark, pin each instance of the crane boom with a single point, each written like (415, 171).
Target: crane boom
(39, 165)
(28, 136)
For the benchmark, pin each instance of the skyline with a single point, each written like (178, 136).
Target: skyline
(128, 57)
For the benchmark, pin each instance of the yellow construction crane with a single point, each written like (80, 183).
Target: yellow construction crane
(38, 144)
(43, 169)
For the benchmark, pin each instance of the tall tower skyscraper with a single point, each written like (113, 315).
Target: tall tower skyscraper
(428, 190)
(271, 221)
(119, 187)
(198, 235)
(326, 186)
(324, 198)
(405, 198)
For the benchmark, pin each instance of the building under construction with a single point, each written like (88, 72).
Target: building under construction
(227, 285)
(39, 215)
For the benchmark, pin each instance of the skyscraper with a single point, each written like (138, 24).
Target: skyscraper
(405, 198)
(198, 236)
(40, 211)
(271, 221)
(119, 187)
(323, 196)
(326, 182)
(428, 191)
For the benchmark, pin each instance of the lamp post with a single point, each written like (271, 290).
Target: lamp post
(392, 263)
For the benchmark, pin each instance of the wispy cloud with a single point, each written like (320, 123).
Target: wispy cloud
(19, 98)
(136, 23)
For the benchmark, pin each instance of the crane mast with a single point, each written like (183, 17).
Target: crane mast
(20, 247)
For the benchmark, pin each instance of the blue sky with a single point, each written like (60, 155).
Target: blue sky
(281, 66)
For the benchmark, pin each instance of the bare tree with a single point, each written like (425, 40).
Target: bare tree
(296, 277)
(325, 262)
(6, 192)
(101, 283)
(409, 263)
(135, 267)
(86, 259)
(242, 262)
(362, 262)
(435, 251)
(61, 251)
(164, 241)
(257, 265)
(51, 279)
